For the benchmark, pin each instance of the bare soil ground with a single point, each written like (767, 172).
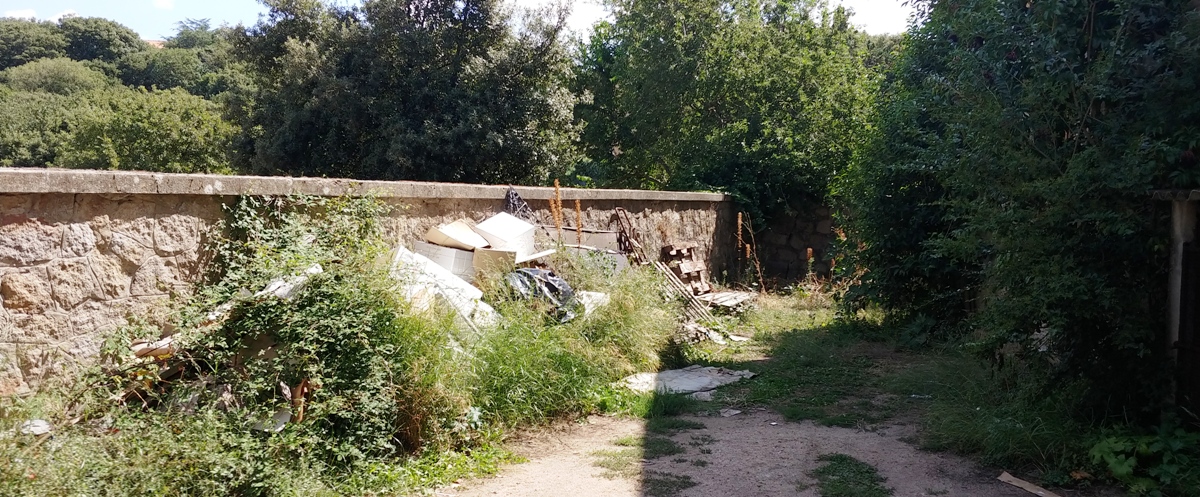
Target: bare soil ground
(753, 453)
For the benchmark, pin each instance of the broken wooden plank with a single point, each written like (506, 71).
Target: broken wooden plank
(1024, 485)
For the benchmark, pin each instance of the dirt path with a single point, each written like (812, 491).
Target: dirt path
(756, 453)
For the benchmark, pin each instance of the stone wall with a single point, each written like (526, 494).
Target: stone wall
(783, 247)
(82, 251)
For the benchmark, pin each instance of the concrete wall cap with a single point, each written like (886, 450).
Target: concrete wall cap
(49, 180)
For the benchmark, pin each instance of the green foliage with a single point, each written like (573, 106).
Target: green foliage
(674, 102)
(34, 127)
(62, 76)
(194, 33)
(165, 131)
(163, 69)
(392, 89)
(1001, 418)
(1007, 180)
(845, 476)
(1165, 462)
(23, 40)
(96, 38)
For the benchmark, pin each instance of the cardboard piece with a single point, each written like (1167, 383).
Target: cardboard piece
(457, 235)
(506, 232)
(459, 262)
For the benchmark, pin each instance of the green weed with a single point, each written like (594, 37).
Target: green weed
(845, 476)
(660, 484)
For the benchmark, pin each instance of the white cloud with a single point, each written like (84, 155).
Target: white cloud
(60, 15)
(22, 13)
(164, 4)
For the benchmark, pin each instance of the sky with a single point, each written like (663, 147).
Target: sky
(156, 19)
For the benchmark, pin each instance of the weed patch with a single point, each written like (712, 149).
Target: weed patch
(845, 476)
(660, 484)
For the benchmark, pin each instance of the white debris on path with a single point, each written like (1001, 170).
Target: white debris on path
(687, 380)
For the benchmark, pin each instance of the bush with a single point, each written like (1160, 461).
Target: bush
(62, 76)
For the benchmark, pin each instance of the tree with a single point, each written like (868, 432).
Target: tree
(164, 68)
(760, 100)
(63, 76)
(24, 41)
(438, 90)
(194, 33)
(96, 38)
(164, 131)
(34, 126)
(1024, 139)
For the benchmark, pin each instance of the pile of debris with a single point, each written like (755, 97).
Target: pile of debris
(446, 266)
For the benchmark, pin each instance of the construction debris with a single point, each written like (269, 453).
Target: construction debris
(694, 310)
(286, 288)
(687, 380)
(731, 301)
(458, 235)
(35, 427)
(681, 258)
(592, 301)
(458, 261)
(1024, 485)
(532, 283)
(423, 279)
(506, 232)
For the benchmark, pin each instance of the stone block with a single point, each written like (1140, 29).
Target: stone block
(46, 327)
(96, 317)
(29, 242)
(15, 205)
(111, 276)
(798, 242)
(51, 208)
(176, 233)
(153, 278)
(26, 291)
(127, 249)
(78, 240)
(72, 282)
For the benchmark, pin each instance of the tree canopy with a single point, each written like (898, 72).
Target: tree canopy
(23, 40)
(96, 38)
(760, 100)
(443, 90)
